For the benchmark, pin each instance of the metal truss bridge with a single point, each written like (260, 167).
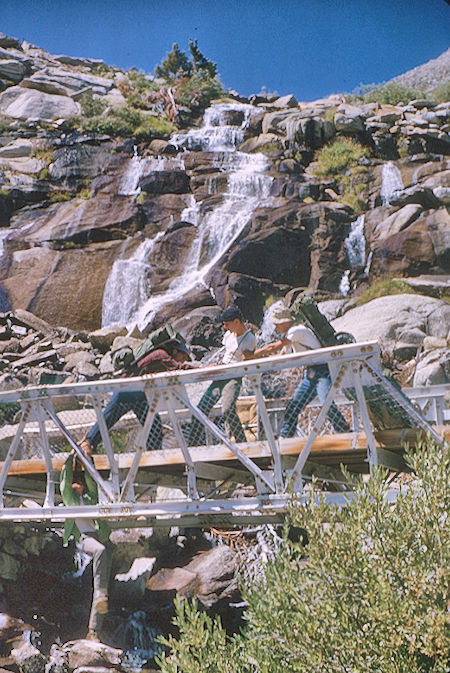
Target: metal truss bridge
(209, 478)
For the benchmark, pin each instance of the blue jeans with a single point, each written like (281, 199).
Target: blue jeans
(118, 405)
(316, 381)
(227, 390)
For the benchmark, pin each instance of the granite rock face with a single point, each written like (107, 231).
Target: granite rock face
(76, 208)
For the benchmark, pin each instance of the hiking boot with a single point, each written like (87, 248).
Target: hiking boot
(93, 636)
(101, 605)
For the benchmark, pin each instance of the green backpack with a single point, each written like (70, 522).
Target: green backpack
(305, 310)
(126, 359)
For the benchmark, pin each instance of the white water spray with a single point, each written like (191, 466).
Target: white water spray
(355, 246)
(391, 182)
(248, 186)
(128, 284)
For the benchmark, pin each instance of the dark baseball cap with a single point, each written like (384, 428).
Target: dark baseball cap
(231, 313)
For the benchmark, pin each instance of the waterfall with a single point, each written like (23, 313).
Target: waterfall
(355, 246)
(391, 182)
(139, 641)
(129, 184)
(355, 243)
(139, 166)
(248, 186)
(128, 284)
(344, 285)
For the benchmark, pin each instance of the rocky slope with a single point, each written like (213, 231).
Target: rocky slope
(76, 206)
(428, 75)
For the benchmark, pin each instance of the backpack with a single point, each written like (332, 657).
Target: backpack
(126, 358)
(305, 309)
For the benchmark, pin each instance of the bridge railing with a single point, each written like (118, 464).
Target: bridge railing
(227, 437)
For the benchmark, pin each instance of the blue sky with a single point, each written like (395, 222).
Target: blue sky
(310, 48)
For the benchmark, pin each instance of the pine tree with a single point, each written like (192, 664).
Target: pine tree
(200, 63)
(175, 64)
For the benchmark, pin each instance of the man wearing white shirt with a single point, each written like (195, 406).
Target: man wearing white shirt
(316, 379)
(239, 343)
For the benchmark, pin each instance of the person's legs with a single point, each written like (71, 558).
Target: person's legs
(303, 394)
(337, 419)
(210, 397)
(101, 555)
(118, 406)
(230, 393)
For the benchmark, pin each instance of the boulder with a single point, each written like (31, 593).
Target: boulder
(424, 196)
(165, 182)
(433, 368)
(73, 80)
(87, 653)
(7, 41)
(349, 119)
(285, 101)
(417, 248)
(28, 658)
(12, 70)
(22, 103)
(17, 148)
(103, 338)
(404, 318)
(216, 574)
(61, 287)
(78, 220)
(377, 227)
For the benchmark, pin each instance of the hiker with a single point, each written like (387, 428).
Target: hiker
(170, 356)
(239, 343)
(77, 487)
(316, 379)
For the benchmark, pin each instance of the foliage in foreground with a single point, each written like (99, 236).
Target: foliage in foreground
(372, 596)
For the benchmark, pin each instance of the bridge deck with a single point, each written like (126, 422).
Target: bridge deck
(47, 422)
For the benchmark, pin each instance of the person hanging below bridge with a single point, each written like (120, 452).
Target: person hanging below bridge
(171, 356)
(239, 344)
(77, 487)
(316, 379)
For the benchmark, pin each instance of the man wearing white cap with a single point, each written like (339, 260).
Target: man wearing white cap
(316, 379)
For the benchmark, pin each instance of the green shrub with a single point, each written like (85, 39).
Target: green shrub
(382, 287)
(441, 94)
(90, 106)
(59, 197)
(126, 121)
(198, 91)
(371, 596)
(391, 93)
(339, 156)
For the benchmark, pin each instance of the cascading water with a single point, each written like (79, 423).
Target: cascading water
(139, 166)
(128, 284)
(138, 640)
(391, 182)
(355, 246)
(248, 186)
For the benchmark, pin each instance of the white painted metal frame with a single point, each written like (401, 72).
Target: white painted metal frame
(353, 366)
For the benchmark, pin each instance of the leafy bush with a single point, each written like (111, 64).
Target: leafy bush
(371, 596)
(198, 91)
(339, 156)
(126, 121)
(382, 287)
(441, 94)
(90, 106)
(391, 93)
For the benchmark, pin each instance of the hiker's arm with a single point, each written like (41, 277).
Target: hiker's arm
(270, 349)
